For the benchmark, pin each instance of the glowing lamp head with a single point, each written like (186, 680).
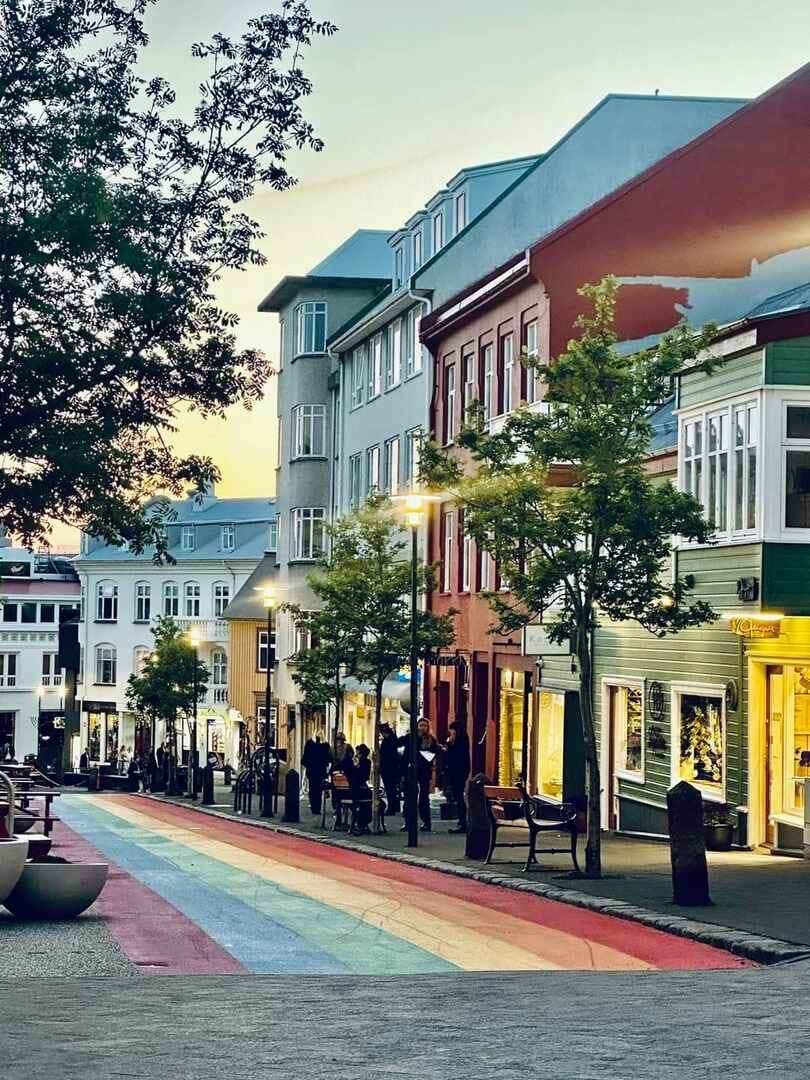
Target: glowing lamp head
(194, 638)
(666, 600)
(414, 509)
(268, 598)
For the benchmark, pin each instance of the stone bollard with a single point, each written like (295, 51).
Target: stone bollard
(292, 797)
(227, 774)
(478, 824)
(687, 846)
(208, 780)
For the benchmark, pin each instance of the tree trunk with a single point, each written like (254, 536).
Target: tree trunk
(375, 761)
(338, 714)
(593, 787)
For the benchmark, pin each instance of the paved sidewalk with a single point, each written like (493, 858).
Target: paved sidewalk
(757, 893)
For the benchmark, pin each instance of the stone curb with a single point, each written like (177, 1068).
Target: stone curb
(756, 947)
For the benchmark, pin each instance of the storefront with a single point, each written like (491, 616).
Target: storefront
(100, 730)
(359, 709)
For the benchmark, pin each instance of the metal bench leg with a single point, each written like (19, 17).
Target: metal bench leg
(531, 858)
(493, 835)
(574, 849)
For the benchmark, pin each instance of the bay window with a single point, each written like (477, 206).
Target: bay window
(796, 451)
(308, 532)
(309, 423)
(310, 328)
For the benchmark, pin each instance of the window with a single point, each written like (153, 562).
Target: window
(719, 466)
(355, 481)
(261, 649)
(416, 249)
(487, 377)
(375, 366)
(82, 598)
(461, 211)
(699, 738)
(391, 466)
(308, 425)
(106, 665)
(438, 232)
(626, 705)
(272, 535)
(219, 667)
(51, 672)
(447, 551)
(300, 638)
(505, 372)
(413, 443)
(449, 403)
(548, 756)
(222, 597)
(11, 612)
(171, 599)
(28, 612)
(530, 374)
(140, 655)
(393, 370)
(399, 266)
(464, 547)
(486, 575)
(188, 537)
(143, 601)
(310, 328)
(358, 375)
(106, 601)
(413, 348)
(373, 469)
(8, 669)
(227, 537)
(282, 343)
(796, 449)
(192, 595)
(308, 532)
(47, 613)
(468, 373)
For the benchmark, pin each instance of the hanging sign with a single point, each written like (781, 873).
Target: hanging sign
(755, 629)
(536, 642)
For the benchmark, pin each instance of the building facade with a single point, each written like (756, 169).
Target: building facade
(215, 544)
(38, 593)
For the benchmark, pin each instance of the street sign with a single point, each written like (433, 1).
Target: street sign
(536, 642)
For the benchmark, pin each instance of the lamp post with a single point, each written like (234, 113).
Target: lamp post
(414, 508)
(191, 786)
(269, 798)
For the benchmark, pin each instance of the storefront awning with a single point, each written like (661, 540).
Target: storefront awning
(394, 689)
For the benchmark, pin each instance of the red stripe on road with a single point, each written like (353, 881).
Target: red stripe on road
(156, 937)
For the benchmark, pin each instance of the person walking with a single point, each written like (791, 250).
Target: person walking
(390, 767)
(456, 762)
(315, 761)
(426, 750)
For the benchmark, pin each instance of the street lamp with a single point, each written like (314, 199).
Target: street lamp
(191, 786)
(269, 799)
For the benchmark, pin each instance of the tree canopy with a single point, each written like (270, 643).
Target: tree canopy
(119, 213)
(165, 686)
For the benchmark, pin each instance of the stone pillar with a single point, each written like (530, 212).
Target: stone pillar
(687, 846)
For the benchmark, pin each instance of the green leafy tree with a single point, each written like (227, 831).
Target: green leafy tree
(364, 586)
(164, 690)
(119, 213)
(320, 671)
(562, 501)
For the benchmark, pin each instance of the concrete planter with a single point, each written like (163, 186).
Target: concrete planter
(13, 854)
(56, 890)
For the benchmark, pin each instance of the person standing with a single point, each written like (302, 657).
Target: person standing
(315, 761)
(457, 769)
(426, 751)
(390, 767)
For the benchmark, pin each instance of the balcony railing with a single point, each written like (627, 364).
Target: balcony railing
(208, 630)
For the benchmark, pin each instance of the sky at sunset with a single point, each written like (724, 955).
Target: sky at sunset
(407, 93)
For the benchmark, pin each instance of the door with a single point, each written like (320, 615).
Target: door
(480, 713)
(774, 740)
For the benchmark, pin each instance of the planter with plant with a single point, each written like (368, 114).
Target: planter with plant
(718, 826)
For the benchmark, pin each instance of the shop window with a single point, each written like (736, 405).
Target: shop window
(549, 743)
(511, 715)
(699, 738)
(94, 734)
(112, 736)
(7, 732)
(627, 725)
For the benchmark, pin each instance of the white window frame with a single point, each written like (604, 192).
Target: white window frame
(532, 331)
(8, 670)
(468, 374)
(375, 366)
(677, 689)
(219, 667)
(140, 654)
(355, 481)
(417, 249)
(308, 334)
(188, 538)
(437, 231)
(391, 465)
(106, 653)
(261, 647)
(393, 367)
(465, 552)
(486, 572)
(611, 683)
(488, 400)
(309, 431)
(413, 440)
(272, 535)
(227, 537)
(143, 601)
(307, 523)
(399, 265)
(450, 391)
(221, 597)
(373, 470)
(447, 520)
(191, 599)
(786, 446)
(507, 390)
(460, 211)
(358, 376)
(171, 599)
(107, 591)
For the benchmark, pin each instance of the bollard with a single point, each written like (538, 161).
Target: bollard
(227, 774)
(687, 846)
(479, 830)
(208, 780)
(292, 797)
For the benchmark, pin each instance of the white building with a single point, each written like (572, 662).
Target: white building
(37, 592)
(215, 544)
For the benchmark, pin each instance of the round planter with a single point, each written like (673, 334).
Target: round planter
(13, 854)
(56, 890)
(719, 837)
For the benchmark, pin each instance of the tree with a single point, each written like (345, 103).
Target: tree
(165, 687)
(119, 213)
(595, 545)
(364, 586)
(319, 671)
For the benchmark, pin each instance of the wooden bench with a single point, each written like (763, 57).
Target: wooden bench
(346, 806)
(514, 811)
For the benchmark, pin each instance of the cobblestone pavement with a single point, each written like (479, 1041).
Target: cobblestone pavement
(744, 1025)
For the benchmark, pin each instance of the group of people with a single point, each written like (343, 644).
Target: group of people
(145, 770)
(448, 763)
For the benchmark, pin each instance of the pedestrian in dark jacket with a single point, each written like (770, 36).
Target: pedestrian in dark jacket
(390, 767)
(361, 791)
(456, 762)
(315, 761)
(426, 751)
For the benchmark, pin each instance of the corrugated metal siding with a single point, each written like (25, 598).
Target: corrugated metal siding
(244, 681)
(788, 362)
(736, 376)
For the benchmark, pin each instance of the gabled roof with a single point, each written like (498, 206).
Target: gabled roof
(784, 303)
(248, 602)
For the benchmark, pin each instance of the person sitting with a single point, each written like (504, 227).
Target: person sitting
(361, 791)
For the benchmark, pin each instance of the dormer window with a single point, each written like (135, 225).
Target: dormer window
(188, 538)
(438, 232)
(310, 328)
(227, 539)
(461, 211)
(399, 266)
(416, 249)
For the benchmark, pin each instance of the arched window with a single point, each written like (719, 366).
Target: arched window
(192, 593)
(143, 601)
(222, 597)
(106, 665)
(171, 598)
(107, 601)
(219, 667)
(139, 658)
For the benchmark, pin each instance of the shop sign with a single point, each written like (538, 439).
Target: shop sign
(752, 628)
(15, 569)
(444, 661)
(98, 706)
(536, 642)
